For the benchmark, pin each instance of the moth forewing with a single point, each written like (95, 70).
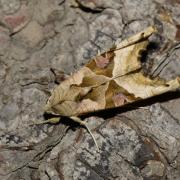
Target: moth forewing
(143, 35)
(109, 80)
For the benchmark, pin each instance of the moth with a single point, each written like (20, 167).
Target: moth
(111, 79)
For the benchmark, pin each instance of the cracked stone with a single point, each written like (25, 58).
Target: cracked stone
(106, 28)
(10, 6)
(141, 143)
(42, 10)
(4, 40)
(153, 168)
(32, 34)
(138, 9)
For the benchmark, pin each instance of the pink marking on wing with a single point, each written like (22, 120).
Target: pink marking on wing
(101, 61)
(120, 99)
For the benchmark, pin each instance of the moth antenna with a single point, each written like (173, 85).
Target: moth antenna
(164, 60)
(51, 120)
(78, 120)
(92, 137)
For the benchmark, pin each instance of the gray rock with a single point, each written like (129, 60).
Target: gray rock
(38, 40)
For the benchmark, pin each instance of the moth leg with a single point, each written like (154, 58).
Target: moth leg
(141, 107)
(78, 120)
(106, 55)
(144, 108)
(51, 120)
(98, 53)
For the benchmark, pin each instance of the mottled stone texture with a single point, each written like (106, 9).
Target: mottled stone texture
(41, 39)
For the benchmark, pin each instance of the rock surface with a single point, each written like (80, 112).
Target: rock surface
(41, 39)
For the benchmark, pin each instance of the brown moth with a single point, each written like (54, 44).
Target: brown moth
(109, 80)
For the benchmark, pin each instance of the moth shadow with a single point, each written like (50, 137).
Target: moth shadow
(109, 113)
